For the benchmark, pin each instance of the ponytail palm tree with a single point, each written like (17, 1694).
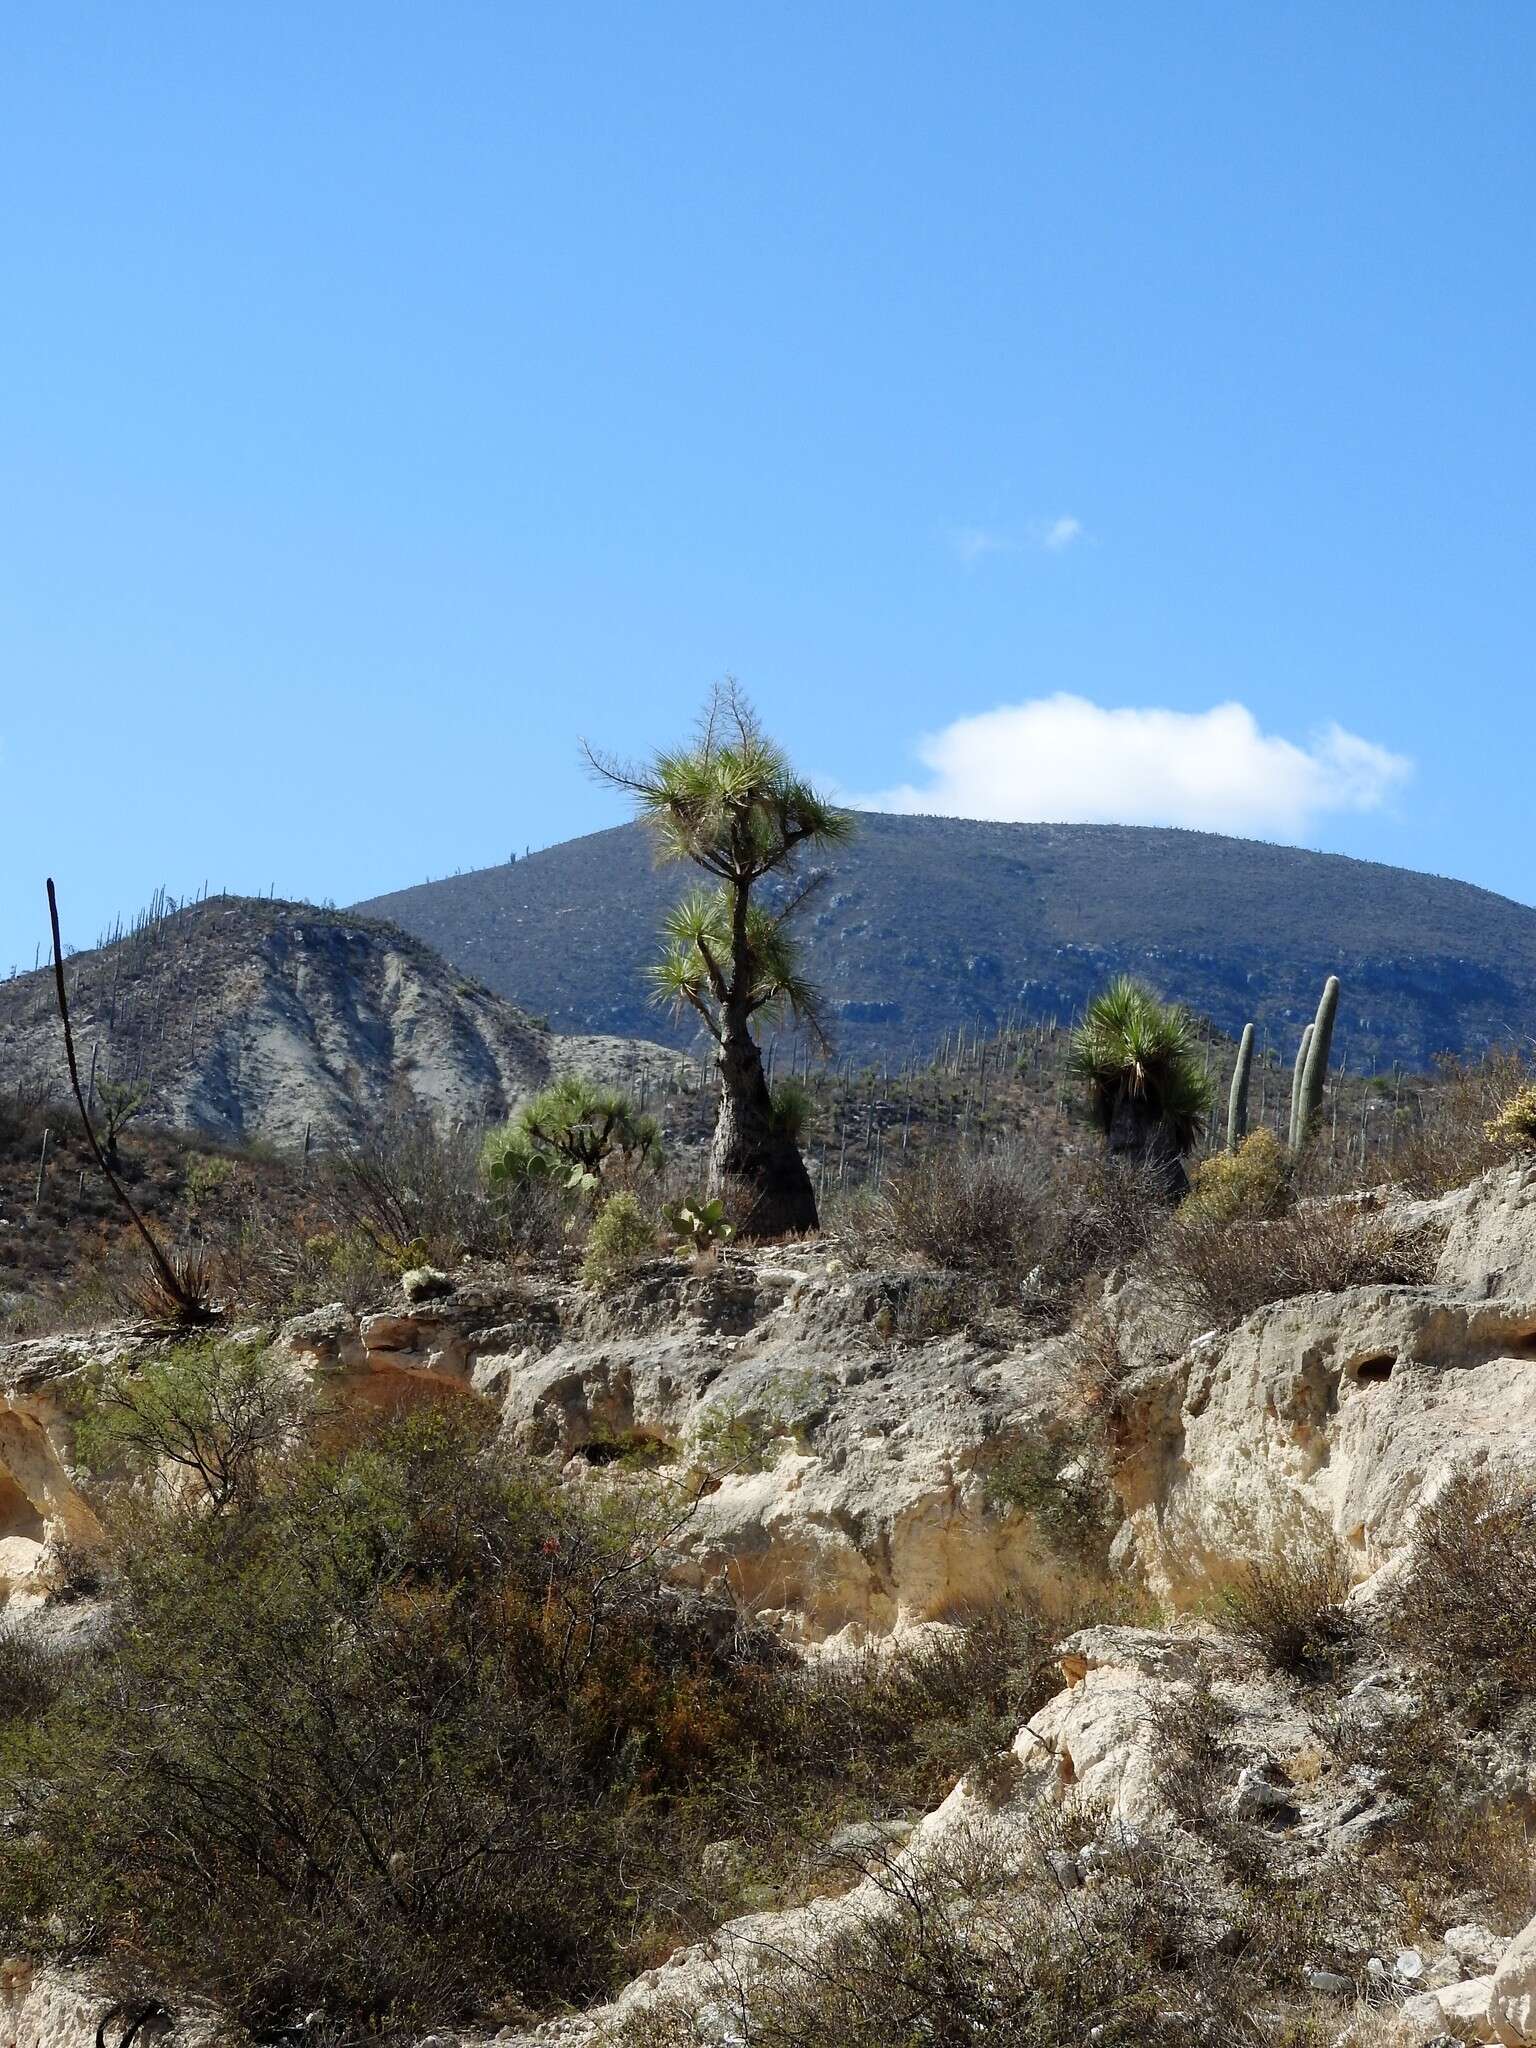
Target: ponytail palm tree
(732, 806)
(1146, 1089)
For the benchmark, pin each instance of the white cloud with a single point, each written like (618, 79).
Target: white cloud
(1065, 760)
(971, 543)
(1056, 534)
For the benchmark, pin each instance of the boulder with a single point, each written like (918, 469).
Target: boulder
(1512, 2003)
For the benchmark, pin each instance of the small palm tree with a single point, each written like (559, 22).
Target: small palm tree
(732, 805)
(1145, 1085)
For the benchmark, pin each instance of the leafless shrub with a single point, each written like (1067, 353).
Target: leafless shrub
(405, 1181)
(1444, 1141)
(1464, 1611)
(956, 1951)
(968, 1211)
(1290, 1610)
(1213, 1273)
(1037, 1229)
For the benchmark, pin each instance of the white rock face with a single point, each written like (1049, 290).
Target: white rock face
(1512, 2003)
(1342, 1413)
(44, 2010)
(1490, 1250)
(42, 1513)
(852, 1500)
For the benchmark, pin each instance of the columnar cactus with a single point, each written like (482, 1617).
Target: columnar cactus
(1315, 1073)
(1237, 1101)
(1297, 1073)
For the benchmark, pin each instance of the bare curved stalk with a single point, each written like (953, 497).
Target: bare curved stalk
(192, 1309)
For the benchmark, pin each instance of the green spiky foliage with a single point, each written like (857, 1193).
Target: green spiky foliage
(568, 1131)
(1146, 1088)
(1237, 1100)
(1297, 1072)
(731, 805)
(698, 935)
(1314, 1075)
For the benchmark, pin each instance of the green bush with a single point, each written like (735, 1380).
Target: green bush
(212, 1410)
(1061, 1480)
(569, 1132)
(374, 1744)
(1250, 1185)
(408, 1734)
(621, 1237)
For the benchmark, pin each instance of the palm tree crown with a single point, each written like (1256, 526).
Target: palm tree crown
(1136, 1052)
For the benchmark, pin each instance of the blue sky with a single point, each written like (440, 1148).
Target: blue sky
(391, 394)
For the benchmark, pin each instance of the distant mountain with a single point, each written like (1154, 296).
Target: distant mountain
(932, 922)
(249, 1018)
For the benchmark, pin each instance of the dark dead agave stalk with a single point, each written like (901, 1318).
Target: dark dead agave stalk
(182, 1295)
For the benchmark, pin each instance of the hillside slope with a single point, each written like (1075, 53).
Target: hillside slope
(932, 922)
(250, 1018)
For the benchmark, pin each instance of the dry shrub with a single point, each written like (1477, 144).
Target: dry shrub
(406, 1181)
(1213, 1273)
(1448, 1143)
(972, 1212)
(406, 1194)
(1038, 1228)
(962, 1950)
(1290, 1611)
(1464, 1610)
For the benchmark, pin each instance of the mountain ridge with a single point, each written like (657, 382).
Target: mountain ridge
(928, 923)
(248, 1017)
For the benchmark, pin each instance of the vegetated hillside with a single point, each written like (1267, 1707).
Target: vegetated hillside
(928, 923)
(248, 1018)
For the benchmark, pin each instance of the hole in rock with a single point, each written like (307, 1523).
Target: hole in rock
(634, 1450)
(18, 1516)
(1371, 1371)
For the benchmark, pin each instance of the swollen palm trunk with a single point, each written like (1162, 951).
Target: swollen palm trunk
(750, 1155)
(1138, 1135)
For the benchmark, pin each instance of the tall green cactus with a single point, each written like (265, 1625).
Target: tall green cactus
(1237, 1101)
(1296, 1078)
(1315, 1074)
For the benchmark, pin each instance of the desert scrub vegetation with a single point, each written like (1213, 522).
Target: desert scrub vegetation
(396, 1731)
(969, 1948)
(572, 1132)
(1037, 1231)
(1458, 1128)
(1212, 1270)
(1463, 1613)
(1290, 1611)
(1061, 1479)
(621, 1238)
(210, 1410)
(1251, 1184)
(407, 1193)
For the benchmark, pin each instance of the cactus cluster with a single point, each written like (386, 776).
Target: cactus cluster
(1237, 1101)
(1309, 1076)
